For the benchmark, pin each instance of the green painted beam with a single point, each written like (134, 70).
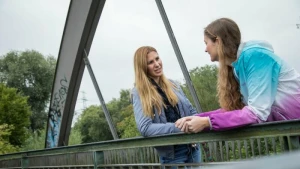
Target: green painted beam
(284, 128)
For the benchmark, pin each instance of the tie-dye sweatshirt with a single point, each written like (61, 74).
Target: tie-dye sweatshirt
(270, 89)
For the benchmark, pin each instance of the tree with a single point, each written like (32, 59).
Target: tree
(32, 74)
(35, 141)
(75, 136)
(205, 82)
(5, 146)
(15, 112)
(93, 126)
(116, 106)
(92, 123)
(127, 127)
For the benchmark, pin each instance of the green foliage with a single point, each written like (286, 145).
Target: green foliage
(123, 116)
(93, 126)
(75, 136)
(127, 127)
(36, 140)
(5, 146)
(32, 74)
(15, 112)
(205, 83)
(116, 106)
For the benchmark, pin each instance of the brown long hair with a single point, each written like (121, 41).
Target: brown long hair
(148, 94)
(229, 36)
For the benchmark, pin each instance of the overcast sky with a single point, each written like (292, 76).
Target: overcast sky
(126, 25)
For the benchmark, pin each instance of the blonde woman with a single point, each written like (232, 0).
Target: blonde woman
(158, 103)
(254, 84)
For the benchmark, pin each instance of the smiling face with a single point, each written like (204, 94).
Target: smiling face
(211, 48)
(154, 66)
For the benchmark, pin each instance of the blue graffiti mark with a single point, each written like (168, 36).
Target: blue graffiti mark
(55, 114)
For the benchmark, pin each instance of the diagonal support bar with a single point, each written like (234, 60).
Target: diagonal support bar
(101, 99)
(178, 54)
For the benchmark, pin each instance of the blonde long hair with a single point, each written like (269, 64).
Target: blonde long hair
(149, 96)
(229, 36)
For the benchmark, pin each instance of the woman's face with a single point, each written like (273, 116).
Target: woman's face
(211, 48)
(154, 65)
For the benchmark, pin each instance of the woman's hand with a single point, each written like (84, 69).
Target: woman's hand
(192, 124)
(197, 124)
(181, 123)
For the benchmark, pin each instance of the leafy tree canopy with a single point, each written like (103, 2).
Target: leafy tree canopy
(5, 146)
(32, 74)
(205, 83)
(92, 123)
(15, 112)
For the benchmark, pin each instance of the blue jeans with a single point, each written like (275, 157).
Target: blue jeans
(184, 153)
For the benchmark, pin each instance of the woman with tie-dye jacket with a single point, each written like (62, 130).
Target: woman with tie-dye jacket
(254, 84)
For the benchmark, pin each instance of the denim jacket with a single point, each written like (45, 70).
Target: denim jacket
(159, 125)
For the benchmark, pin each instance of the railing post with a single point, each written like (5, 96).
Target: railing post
(98, 158)
(24, 162)
(293, 142)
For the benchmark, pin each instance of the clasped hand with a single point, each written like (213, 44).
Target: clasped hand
(192, 124)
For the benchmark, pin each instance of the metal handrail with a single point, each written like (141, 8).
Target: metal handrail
(282, 128)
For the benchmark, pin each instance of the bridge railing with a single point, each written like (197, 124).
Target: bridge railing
(93, 155)
(214, 151)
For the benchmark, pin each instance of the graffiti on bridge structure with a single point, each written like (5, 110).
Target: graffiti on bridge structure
(55, 114)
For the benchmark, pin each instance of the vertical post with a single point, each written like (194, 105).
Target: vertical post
(106, 113)
(24, 162)
(178, 54)
(293, 143)
(98, 158)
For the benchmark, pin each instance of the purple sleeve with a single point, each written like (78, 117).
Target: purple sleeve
(221, 120)
(205, 114)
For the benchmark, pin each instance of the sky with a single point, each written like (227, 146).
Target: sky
(124, 26)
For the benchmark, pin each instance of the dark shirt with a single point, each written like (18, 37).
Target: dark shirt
(172, 112)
